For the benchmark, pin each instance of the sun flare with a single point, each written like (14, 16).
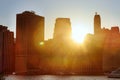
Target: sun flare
(78, 38)
(78, 35)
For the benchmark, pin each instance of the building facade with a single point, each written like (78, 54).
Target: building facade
(7, 53)
(62, 28)
(111, 56)
(29, 33)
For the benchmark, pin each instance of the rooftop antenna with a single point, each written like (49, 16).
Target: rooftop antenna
(33, 11)
(95, 13)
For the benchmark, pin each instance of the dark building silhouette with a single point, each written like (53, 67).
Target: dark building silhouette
(60, 55)
(62, 28)
(29, 34)
(7, 54)
(97, 24)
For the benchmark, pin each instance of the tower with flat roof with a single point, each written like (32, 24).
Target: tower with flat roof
(62, 28)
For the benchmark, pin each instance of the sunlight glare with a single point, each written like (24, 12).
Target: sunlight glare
(78, 35)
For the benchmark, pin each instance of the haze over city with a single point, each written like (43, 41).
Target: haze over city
(79, 11)
(65, 40)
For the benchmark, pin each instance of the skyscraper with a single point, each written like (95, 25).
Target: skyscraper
(97, 23)
(7, 56)
(29, 33)
(62, 28)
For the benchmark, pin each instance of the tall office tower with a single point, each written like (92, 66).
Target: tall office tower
(62, 28)
(97, 24)
(7, 56)
(98, 56)
(29, 33)
(1, 47)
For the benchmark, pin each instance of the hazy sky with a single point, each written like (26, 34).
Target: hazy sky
(81, 13)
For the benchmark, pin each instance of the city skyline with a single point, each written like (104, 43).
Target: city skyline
(34, 55)
(80, 13)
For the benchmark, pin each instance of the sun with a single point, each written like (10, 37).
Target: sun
(79, 38)
(78, 35)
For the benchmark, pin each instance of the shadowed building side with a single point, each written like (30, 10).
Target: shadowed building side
(29, 33)
(7, 56)
(2, 29)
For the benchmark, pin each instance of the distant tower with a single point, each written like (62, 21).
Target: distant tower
(62, 28)
(29, 33)
(97, 24)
